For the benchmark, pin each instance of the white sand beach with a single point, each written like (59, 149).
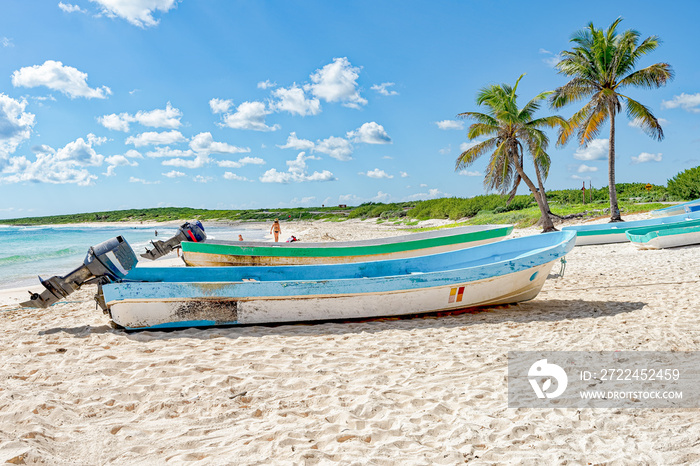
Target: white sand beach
(429, 390)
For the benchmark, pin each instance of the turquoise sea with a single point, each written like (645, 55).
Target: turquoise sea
(29, 251)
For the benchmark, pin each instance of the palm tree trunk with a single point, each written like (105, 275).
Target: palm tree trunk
(544, 194)
(546, 220)
(614, 209)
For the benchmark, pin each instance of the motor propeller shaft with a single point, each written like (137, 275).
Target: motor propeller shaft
(189, 231)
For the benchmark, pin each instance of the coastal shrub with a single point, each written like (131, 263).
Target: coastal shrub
(686, 184)
(454, 208)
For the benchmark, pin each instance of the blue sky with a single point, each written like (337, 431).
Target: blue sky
(223, 104)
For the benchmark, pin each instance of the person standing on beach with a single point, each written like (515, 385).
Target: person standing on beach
(276, 229)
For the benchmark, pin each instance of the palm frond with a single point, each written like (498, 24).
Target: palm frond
(470, 155)
(643, 117)
(651, 77)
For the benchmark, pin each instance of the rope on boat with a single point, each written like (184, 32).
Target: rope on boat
(563, 267)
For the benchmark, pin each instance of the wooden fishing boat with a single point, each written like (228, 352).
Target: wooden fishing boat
(603, 233)
(245, 253)
(666, 236)
(676, 209)
(509, 271)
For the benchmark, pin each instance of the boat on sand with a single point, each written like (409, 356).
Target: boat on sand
(248, 253)
(506, 272)
(666, 236)
(675, 209)
(603, 233)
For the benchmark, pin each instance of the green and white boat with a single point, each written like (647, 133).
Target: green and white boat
(666, 236)
(249, 253)
(604, 233)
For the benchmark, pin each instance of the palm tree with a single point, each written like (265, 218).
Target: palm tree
(510, 130)
(602, 64)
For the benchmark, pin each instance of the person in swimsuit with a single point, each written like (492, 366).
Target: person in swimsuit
(276, 230)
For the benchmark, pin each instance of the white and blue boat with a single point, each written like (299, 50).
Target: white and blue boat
(675, 209)
(604, 233)
(666, 236)
(506, 272)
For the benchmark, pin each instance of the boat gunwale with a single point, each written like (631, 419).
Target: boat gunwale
(375, 246)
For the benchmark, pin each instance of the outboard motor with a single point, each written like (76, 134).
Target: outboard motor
(110, 260)
(189, 231)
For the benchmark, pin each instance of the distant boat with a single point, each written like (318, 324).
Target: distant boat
(603, 233)
(674, 209)
(509, 271)
(666, 236)
(244, 253)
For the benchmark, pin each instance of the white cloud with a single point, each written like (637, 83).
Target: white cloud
(450, 124)
(383, 89)
(377, 173)
(220, 105)
(153, 138)
(266, 84)
(580, 178)
(370, 133)
(465, 146)
(638, 123)
(240, 162)
(168, 152)
(234, 177)
(65, 165)
(56, 76)
(381, 197)
(296, 172)
(551, 58)
(173, 174)
(204, 143)
(337, 82)
(6, 42)
(69, 8)
(304, 201)
(249, 115)
(646, 157)
(469, 173)
(583, 168)
(202, 179)
(445, 150)
(197, 162)
(293, 142)
(294, 101)
(403, 174)
(689, 102)
(168, 118)
(336, 147)
(15, 125)
(137, 12)
(114, 161)
(597, 150)
(432, 193)
(79, 152)
(133, 179)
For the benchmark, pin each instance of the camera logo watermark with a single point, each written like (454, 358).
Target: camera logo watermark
(603, 379)
(544, 372)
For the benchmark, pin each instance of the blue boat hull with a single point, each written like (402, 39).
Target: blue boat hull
(505, 272)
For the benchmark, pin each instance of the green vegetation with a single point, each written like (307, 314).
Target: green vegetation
(686, 184)
(492, 208)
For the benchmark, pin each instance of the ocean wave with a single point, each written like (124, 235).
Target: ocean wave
(23, 258)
